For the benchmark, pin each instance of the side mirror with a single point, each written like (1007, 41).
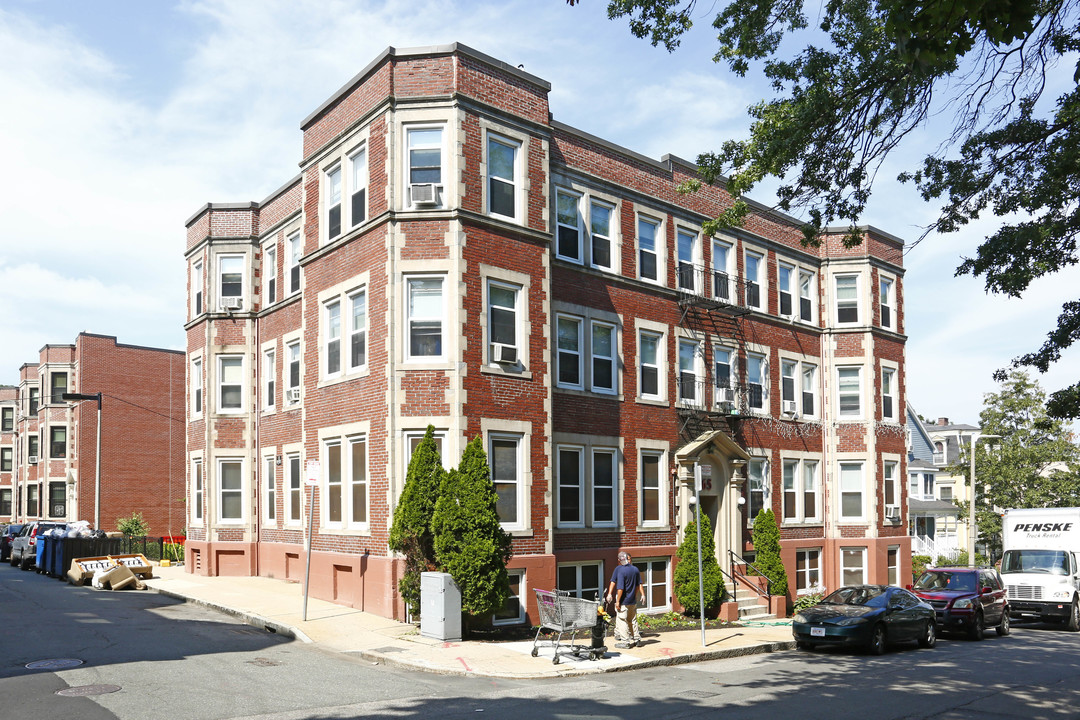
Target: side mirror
(986, 590)
(909, 587)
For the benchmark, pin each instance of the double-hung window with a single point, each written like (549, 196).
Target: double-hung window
(197, 491)
(885, 293)
(787, 386)
(197, 287)
(652, 478)
(59, 386)
(755, 266)
(891, 481)
(649, 354)
(332, 505)
(5, 501)
(7, 456)
(801, 490)
(581, 580)
(849, 391)
(786, 282)
(888, 394)
(722, 374)
(270, 486)
(230, 490)
(333, 202)
(757, 488)
(332, 339)
(506, 476)
(7, 423)
(230, 384)
(425, 166)
(851, 491)
(689, 360)
(502, 167)
(569, 351)
(686, 244)
(35, 401)
(292, 386)
(654, 581)
(809, 389)
(358, 330)
(294, 498)
(32, 500)
(605, 467)
(295, 252)
(648, 230)
(32, 448)
(811, 490)
(269, 275)
(269, 375)
(513, 611)
(806, 296)
(723, 257)
(425, 317)
(807, 571)
(600, 234)
(756, 381)
(602, 348)
(503, 320)
(847, 298)
(853, 566)
(358, 178)
(568, 225)
(358, 481)
(571, 486)
(230, 281)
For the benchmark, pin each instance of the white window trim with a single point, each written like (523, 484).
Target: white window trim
(580, 451)
(658, 449)
(613, 236)
(613, 358)
(809, 589)
(289, 453)
(862, 565)
(760, 278)
(766, 390)
(729, 268)
(269, 375)
(197, 385)
(444, 339)
(269, 498)
(198, 285)
(578, 199)
(890, 301)
(220, 276)
(198, 468)
(520, 324)
(861, 517)
(801, 462)
(815, 381)
(840, 413)
(519, 147)
(859, 312)
(443, 186)
(661, 333)
(345, 436)
(269, 273)
(659, 246)
(897, 485)
(351, 187)
(766, 489)
(519, 482)
(617, 472)
(792, 290)
(335, 166)
(294, 248)
(325, 338)
(521, 598)
(894, 395)
(521, 430)
(695, 261)
(581, 323)
(648, 583)
(812, 297)
(578, 590)
(219, 490)
(733, 374)
(289, 342)
(698, 370)
(219, 384)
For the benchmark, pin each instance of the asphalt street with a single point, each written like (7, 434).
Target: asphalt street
(174, 660)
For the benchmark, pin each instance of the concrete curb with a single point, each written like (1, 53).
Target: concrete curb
(247, 618)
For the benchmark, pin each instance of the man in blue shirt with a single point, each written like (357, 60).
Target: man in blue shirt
(625, 589)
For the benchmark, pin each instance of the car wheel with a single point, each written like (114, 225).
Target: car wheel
(12, 561)
(877, 641)
(929, 635)
(1073, 623)
(1005, 625)
(24, 564)
(977, 629)
(805, 646)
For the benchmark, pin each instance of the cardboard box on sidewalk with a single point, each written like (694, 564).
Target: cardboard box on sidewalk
(83, 569)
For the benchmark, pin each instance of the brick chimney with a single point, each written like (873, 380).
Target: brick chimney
(942, 421)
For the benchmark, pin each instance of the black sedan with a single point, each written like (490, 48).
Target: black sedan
(868, 616)
(6, 536)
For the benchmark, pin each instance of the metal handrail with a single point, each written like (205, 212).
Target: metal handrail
(732, 557)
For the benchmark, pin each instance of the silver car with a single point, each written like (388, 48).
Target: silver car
(24, 546)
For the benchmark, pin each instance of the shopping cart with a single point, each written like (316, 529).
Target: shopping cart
(561, 613)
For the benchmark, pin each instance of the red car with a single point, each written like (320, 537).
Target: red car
(965, 599)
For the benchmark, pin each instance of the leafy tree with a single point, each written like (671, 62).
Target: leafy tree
(134, 525)
(686, 572)
(872, 72)
(766, 537)
(410, 532)
(470, 544)
(1034, 463)
(919, 563)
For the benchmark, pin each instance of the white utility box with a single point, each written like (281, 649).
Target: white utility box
(440, 606)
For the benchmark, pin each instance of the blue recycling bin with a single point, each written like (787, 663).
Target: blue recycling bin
(56, 556)
(40, 547)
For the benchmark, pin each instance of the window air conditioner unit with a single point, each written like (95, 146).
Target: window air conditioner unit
(788, 407)
(293, 394)
(892, 512)
(725, 395)
(424, 193)
(230, 303)
(503, 353)
(32, 459)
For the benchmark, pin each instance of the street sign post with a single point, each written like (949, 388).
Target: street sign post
(311, 479)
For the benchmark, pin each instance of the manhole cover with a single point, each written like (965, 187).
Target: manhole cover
(264, 662)
(54, 664)
(85, 690)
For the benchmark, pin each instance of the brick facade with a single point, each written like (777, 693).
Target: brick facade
(450, 255)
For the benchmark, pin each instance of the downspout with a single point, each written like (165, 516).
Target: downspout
(257, 510)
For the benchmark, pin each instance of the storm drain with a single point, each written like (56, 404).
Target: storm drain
(87, 690)
(54, 664)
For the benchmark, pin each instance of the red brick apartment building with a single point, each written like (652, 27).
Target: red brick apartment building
(53, 443)
(451, 255)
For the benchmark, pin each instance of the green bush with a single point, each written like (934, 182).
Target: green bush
(918, 565)
(133, 526)
(959, 559)
(470, 544)
(809, 600)
(766, 538)
(686, 572)
(410, 532)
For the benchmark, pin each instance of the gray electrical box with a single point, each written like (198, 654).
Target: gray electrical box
(440, 606)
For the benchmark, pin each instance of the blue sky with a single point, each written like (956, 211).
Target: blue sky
(123, 117)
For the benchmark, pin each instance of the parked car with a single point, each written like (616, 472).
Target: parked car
(24, 546)
(869, 616)
(966, 599)
(6, 537)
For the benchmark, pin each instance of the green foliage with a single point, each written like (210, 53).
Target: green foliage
(411, 532)
(766, 539)
(1033, 464)
(850, 88)
(960, 559)
(809, 600)
(133, 526)
(686, 572)
(918, 565)
(470, 544)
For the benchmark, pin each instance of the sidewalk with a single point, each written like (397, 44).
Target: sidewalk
(277, 605)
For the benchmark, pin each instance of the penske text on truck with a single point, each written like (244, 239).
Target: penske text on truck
(1041, 563)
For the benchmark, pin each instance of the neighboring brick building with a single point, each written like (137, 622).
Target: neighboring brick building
(9, 405)
(142, 435)
(450, 255)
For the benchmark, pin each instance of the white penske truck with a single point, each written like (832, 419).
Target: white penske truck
(1041, 564)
